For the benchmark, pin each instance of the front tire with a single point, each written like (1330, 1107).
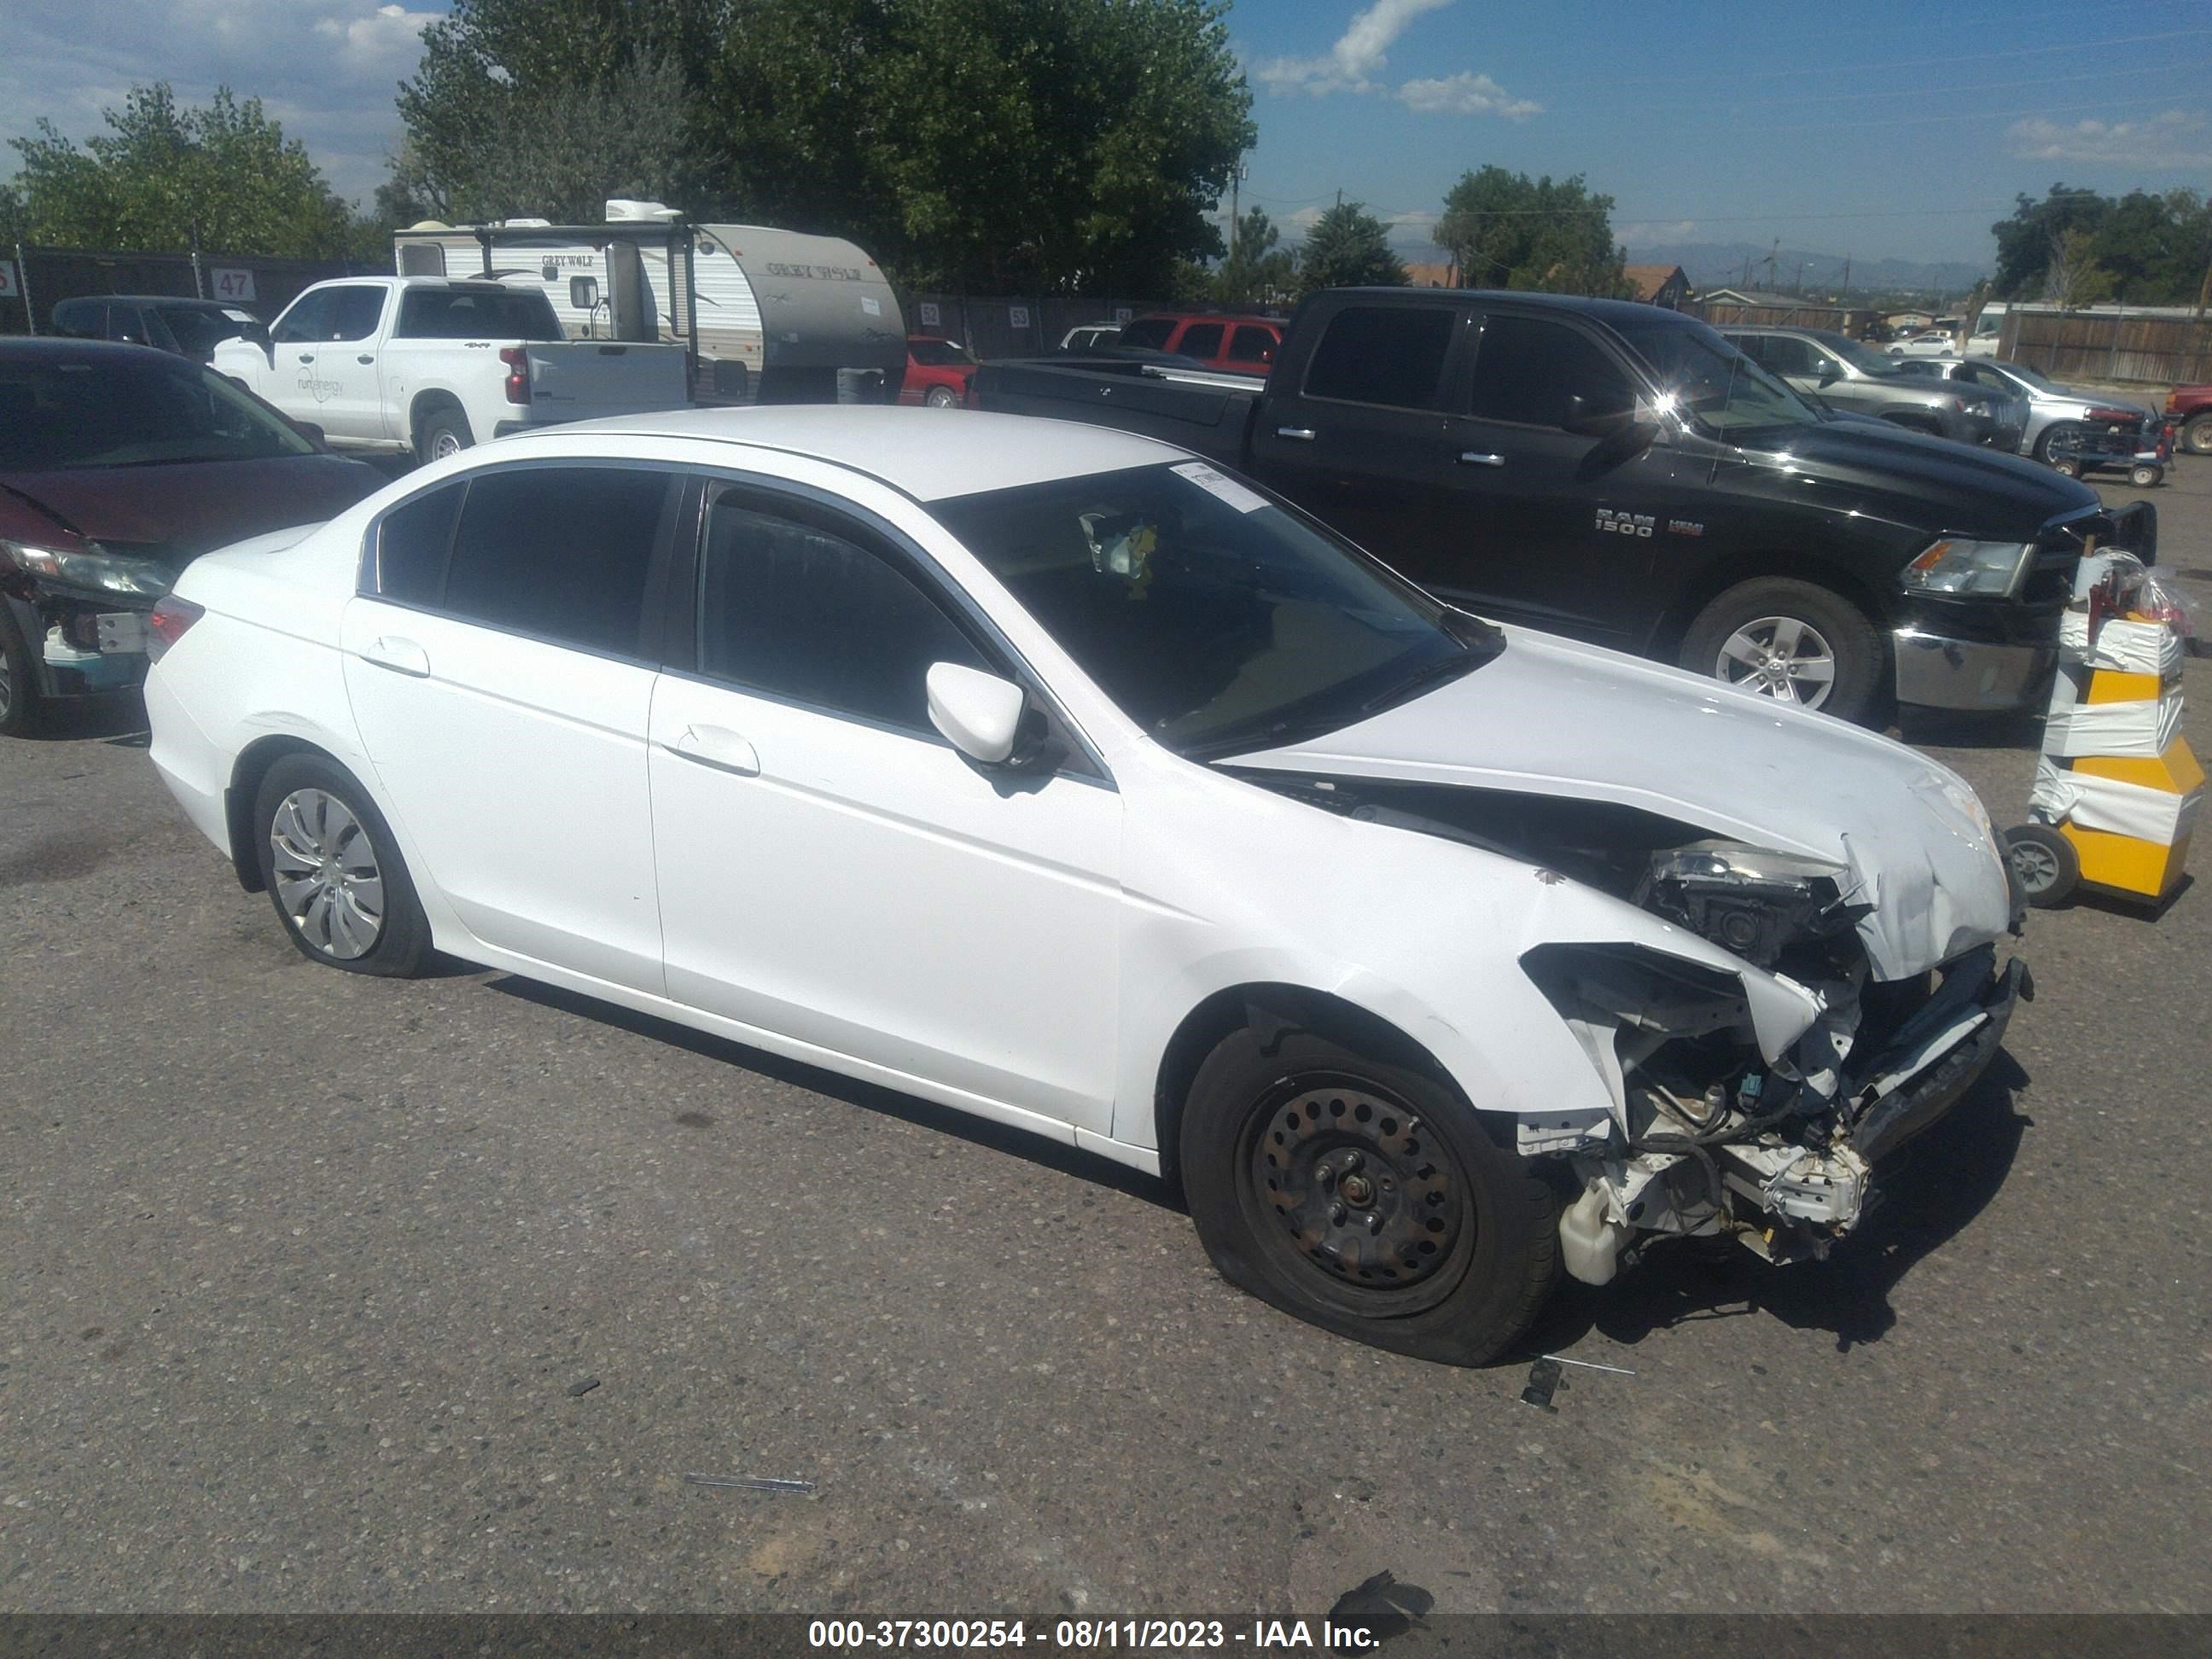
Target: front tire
(19, 706)
(332, 868)
(2146, 477)
(1362, 1195)
(1789, 641)
(2197, 436)
(941, 396)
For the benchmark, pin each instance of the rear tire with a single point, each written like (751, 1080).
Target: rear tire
(2196, 436)
(941, 396)
(2043, 863)
(2145, 477)
(445, 433)
(2066, 467)
(1779, 637)
(2050, 435)
(1362, 1195)
(332, 868)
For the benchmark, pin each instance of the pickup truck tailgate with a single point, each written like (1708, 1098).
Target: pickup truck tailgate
(1210, 415)
(584, 380)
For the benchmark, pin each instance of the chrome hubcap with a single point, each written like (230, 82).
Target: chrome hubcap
(326, 874)
(1785, 658)
(444, 445)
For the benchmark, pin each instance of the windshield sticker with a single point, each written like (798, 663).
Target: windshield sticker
(1221, 485)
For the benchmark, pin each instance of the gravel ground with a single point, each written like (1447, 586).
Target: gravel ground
(328, 1293)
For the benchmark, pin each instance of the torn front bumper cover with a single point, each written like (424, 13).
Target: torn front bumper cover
(1938, 1055)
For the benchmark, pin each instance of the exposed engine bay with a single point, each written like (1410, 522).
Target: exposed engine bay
(1717, 1129)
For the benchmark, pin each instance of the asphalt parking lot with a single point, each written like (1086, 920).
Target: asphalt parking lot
(328, 1293)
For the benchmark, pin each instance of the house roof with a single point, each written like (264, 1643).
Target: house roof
(1648, 280)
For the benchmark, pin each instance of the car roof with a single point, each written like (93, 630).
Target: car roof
(47, 347)
(176, 301)
(930, 454)
(1604, 311)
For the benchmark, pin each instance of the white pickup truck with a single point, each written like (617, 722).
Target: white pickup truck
(428, 365)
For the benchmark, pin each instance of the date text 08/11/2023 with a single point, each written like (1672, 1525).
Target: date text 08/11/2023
(1174, 1635)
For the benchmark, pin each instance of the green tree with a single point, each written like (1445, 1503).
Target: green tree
(1508, 230)
(1258, 270)
(2071, 274)
(162, 173)
(995, 144)
(2025, 240)
(1348, 247)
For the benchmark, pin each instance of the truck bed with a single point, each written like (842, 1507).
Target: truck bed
(1209, 414)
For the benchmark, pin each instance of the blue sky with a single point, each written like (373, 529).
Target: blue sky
(1875, 128)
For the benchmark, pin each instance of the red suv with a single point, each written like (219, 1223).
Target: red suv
(937, 372)
(1235, 345)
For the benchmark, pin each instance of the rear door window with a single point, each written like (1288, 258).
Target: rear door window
(354, 313)
(1252, 345)
(430, 313)
(1393, 355)
(561, 553)
(1202, 341)
(1527, 370)
(412, 541)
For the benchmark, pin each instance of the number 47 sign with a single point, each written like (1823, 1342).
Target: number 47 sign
(231, 284)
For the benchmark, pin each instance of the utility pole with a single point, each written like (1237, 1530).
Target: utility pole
(1847, 277)
(1235, 178)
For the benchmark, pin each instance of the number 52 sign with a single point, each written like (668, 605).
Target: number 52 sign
(231, 284)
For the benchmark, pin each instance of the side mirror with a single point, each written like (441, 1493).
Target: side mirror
(311, 432)
(978, 714)
(1830, 374)
(1597, 418)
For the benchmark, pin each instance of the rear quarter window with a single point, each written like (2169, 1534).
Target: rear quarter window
(1389, 355)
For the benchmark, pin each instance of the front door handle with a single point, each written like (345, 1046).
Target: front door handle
(718, 747)
(1480, 458)
(306, 356)
(1303, 434)
(364, 358)
(400, 656)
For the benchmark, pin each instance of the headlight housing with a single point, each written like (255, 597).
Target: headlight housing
(96, 572)
(1990, 570)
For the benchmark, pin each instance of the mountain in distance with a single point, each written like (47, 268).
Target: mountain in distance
(1721, 265)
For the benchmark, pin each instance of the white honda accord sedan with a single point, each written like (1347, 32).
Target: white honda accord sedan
(1051, 774)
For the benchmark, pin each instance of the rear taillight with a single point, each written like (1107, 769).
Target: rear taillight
(172, 617)
(517, 359)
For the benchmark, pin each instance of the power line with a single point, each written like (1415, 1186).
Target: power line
(2133, 70)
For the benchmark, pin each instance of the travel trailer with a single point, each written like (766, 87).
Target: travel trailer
(770, 316)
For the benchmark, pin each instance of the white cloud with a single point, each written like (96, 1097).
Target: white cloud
(1360, 52)
(2175, 139)
(1645, 233)
(1466, 95)
(328, 69)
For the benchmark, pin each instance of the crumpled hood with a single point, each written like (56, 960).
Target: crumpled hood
(1552, 717)
(170, 513)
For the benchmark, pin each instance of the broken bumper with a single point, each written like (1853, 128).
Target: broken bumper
(1938, 1055)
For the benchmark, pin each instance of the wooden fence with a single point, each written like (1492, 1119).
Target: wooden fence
(2109, 346)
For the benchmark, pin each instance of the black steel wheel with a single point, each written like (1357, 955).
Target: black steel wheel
(2043, 863)
(1358, 1192)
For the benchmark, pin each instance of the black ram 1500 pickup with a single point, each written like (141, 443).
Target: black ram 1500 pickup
(1620, 473)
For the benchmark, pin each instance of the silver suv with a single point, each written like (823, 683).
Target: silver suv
(1860, 380)
(2054, 411)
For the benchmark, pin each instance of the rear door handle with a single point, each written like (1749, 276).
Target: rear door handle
(1480, 458)
(306, 356)
(400, 656)
(718, 747)
(1303, 434)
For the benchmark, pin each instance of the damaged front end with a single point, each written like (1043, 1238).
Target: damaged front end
(83, 609)
(1754, 1086)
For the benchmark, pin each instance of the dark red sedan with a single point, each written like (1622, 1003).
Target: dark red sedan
(118, 465)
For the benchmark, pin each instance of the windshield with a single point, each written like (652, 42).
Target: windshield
(129, 409)
(1860, 356)
(939, 353)
(1214, 618)
(200, 331)
(1721, 390)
